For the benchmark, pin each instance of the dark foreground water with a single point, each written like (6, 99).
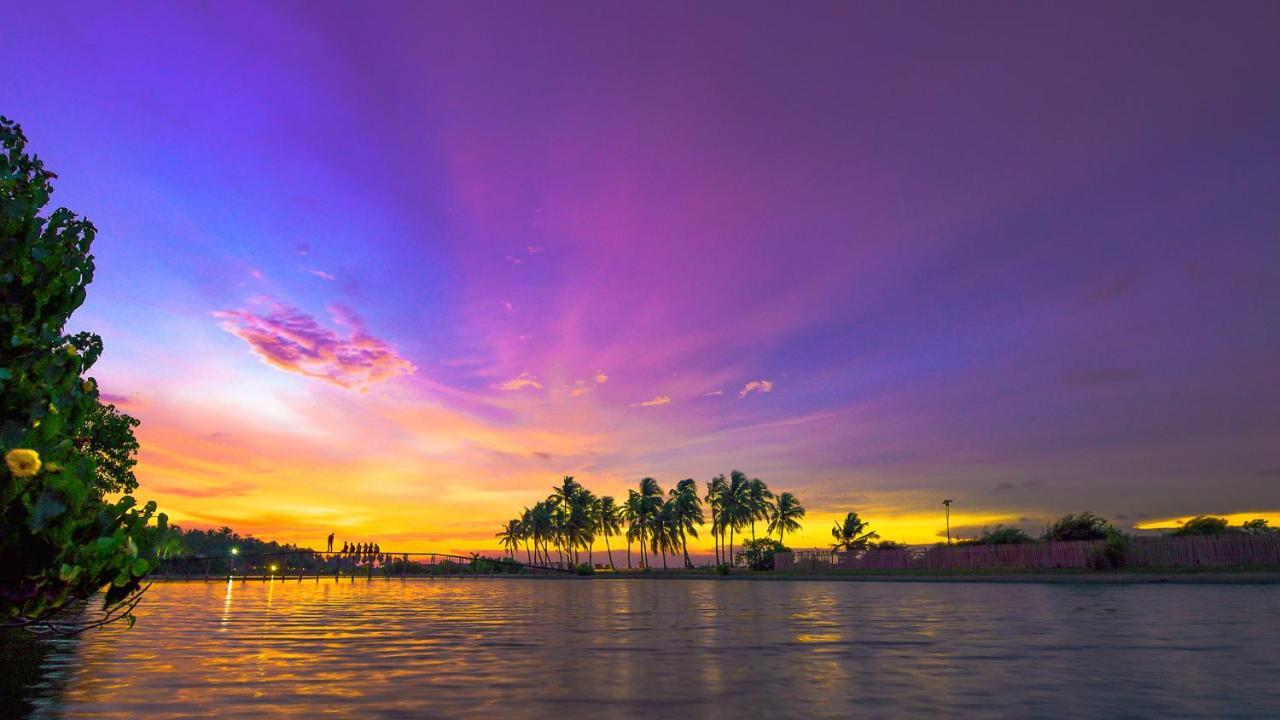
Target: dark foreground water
(671, 648)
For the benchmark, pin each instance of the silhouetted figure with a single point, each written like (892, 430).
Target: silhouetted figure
(330, 542)
(346, 548)
(376, 549)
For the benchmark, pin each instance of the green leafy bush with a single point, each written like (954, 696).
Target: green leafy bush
(758, 554)
(61, 538)
(1081, 526)
(584, 569)
(1113, 554)
(1202, 525)
(723, 569)
(1004, 536)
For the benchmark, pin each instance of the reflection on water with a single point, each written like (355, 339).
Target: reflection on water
(537, 648)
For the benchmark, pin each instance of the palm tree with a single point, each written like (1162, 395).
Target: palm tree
(852, 534)
(649, 503)
(608, 522)
(566, 498)
(541, 528)
(631, 516)
(758, 503)
(526, 532)
(664, 529)
(687, 513)
(716, 489)
(510, 537)
(786, 515)
(737, 506)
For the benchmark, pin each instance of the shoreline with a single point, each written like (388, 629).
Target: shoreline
(1113, 577)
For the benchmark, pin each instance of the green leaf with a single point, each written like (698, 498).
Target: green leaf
(140, 567)
(48, 506)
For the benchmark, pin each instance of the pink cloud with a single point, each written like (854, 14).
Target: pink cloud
(322, 274)
(295, 342)
(522, 381)
(659, 400)
(763, 386)
(536, 249)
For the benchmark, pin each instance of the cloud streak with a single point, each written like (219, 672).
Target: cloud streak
(293, 341)
(659, 400)
(523, 381)
(763, 386)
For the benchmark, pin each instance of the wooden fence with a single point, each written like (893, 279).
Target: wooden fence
(1221, 550)
(1209, 550)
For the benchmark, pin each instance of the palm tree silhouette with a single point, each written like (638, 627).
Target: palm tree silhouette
(716, 489)
(852, 535)
(737, 506)
(649, 503)
(631, 516)
(786, 515)
(609, 522)
(759, 503)
(687, 513)
(510, 537)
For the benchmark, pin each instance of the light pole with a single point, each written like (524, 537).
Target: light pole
(947, 504)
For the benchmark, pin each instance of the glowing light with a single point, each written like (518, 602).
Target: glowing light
(235, 551)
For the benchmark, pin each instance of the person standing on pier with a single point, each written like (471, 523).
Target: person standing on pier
(330, 543)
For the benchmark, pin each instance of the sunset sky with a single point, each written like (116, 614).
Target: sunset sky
(393, 271)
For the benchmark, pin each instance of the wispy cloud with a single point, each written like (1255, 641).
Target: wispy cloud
(523, 381)
(713, 393)
(536, 249)
(582, 387)
(513, 259)
(659, 400)
(508, 305)
(322, 274)
(295, 342)
(763, 386)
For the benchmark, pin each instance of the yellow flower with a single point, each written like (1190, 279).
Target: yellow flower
(88, 386)
(22, 462)
(71, 349)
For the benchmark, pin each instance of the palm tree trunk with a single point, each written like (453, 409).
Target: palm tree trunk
(609, 550)
(730, 561)
(628, 552)
(684, 545)
(717, 537)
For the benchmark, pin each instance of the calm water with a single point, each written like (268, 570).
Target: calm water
(631, 648)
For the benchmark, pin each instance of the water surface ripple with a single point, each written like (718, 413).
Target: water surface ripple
(631, 648)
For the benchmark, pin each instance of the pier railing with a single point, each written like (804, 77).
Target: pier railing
(1234, 550)
(303, 564)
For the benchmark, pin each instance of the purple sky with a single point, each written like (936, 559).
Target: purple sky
(403, 266)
